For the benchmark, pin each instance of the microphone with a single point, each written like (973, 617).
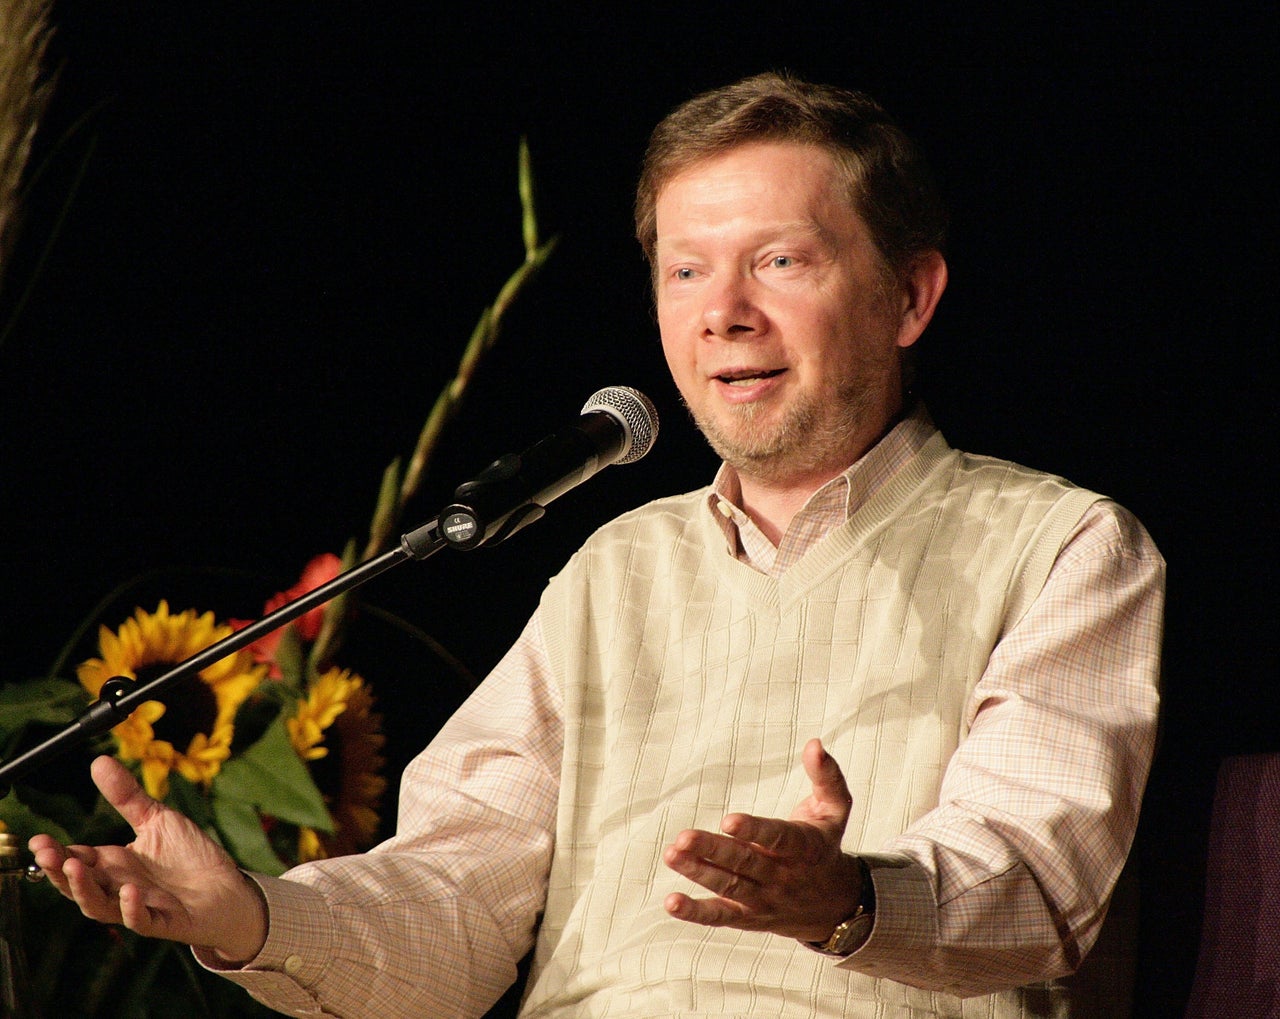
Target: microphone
(617, 425)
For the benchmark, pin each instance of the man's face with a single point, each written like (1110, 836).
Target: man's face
(773, 313)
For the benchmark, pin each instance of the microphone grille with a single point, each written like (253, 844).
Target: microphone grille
(634, 411)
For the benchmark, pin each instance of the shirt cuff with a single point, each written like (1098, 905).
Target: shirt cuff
(297, 949)
(906, 915)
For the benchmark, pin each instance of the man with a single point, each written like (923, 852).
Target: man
(940, 669)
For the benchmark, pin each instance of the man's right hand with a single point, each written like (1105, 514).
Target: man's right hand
(172, 881)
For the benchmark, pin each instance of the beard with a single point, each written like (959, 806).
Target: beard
(816, 432)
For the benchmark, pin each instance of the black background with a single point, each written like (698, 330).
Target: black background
(263, 233)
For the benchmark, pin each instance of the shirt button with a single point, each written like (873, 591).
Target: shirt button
(292, 965)
(726, 510)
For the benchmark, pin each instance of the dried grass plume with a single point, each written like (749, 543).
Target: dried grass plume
(24, 92)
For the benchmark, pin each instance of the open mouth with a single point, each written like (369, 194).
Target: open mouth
(747, 377)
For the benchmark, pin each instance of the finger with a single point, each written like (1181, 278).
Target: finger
(153, 915)
(722, 880)
(708, 912)
(725, 851)
(830, 791)
(50, 855)
(780, 840)
(122, 791)
(134, 912)
(86, 887)
(48, 851)
(41, 841)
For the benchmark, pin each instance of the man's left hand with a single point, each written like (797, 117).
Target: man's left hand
(785, 877)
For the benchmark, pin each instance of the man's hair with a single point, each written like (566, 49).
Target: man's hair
(889, 184)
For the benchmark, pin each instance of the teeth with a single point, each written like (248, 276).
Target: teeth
(748, 378)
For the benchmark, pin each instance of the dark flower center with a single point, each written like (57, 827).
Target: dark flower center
(190, 706)
(326, 772)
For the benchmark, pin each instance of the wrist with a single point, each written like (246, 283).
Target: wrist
(852, 932)
(249, 931)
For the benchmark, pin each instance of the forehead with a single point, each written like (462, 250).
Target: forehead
(758, 185)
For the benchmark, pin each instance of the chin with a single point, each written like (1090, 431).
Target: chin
(756, 455)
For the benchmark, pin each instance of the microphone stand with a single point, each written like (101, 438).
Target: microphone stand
(120, 695)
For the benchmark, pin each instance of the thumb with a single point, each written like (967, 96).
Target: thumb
(831, 798)
(122, 791)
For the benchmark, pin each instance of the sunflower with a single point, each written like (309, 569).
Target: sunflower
(199, 711)
(339, 736)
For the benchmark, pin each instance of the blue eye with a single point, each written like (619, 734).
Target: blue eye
(783, 261)
(684, 274)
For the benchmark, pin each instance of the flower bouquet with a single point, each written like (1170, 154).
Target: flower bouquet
(276, 750)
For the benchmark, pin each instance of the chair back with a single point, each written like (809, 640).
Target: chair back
(1238, 971)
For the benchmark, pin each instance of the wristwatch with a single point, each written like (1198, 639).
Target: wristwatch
(851, 933)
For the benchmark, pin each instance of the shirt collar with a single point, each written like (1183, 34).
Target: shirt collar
(827, 508)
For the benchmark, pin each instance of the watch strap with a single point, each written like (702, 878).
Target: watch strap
(852, 932)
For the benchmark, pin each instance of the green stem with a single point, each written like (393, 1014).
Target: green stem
(396, 490)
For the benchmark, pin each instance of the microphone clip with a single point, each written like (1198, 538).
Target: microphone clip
(466, 522)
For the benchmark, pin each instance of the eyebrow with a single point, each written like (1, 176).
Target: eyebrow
(761, 235)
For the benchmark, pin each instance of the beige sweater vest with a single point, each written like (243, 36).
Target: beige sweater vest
(692, 681)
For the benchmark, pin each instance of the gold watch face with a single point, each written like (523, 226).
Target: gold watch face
(851, 934)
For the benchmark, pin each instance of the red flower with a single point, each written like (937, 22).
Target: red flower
(322, 569)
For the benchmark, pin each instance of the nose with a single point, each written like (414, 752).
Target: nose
(730, 311)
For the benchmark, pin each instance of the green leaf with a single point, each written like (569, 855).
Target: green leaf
(24, 822)
(186, 797)
(529, 217)
(272, 777)
(49, 701)
(59, 811)
(246, 839)
(290, 657)
(257, 712)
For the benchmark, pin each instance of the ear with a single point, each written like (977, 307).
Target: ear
(922, 290)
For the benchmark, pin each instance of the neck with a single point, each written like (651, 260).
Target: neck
(773, 505)
(773, 499)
